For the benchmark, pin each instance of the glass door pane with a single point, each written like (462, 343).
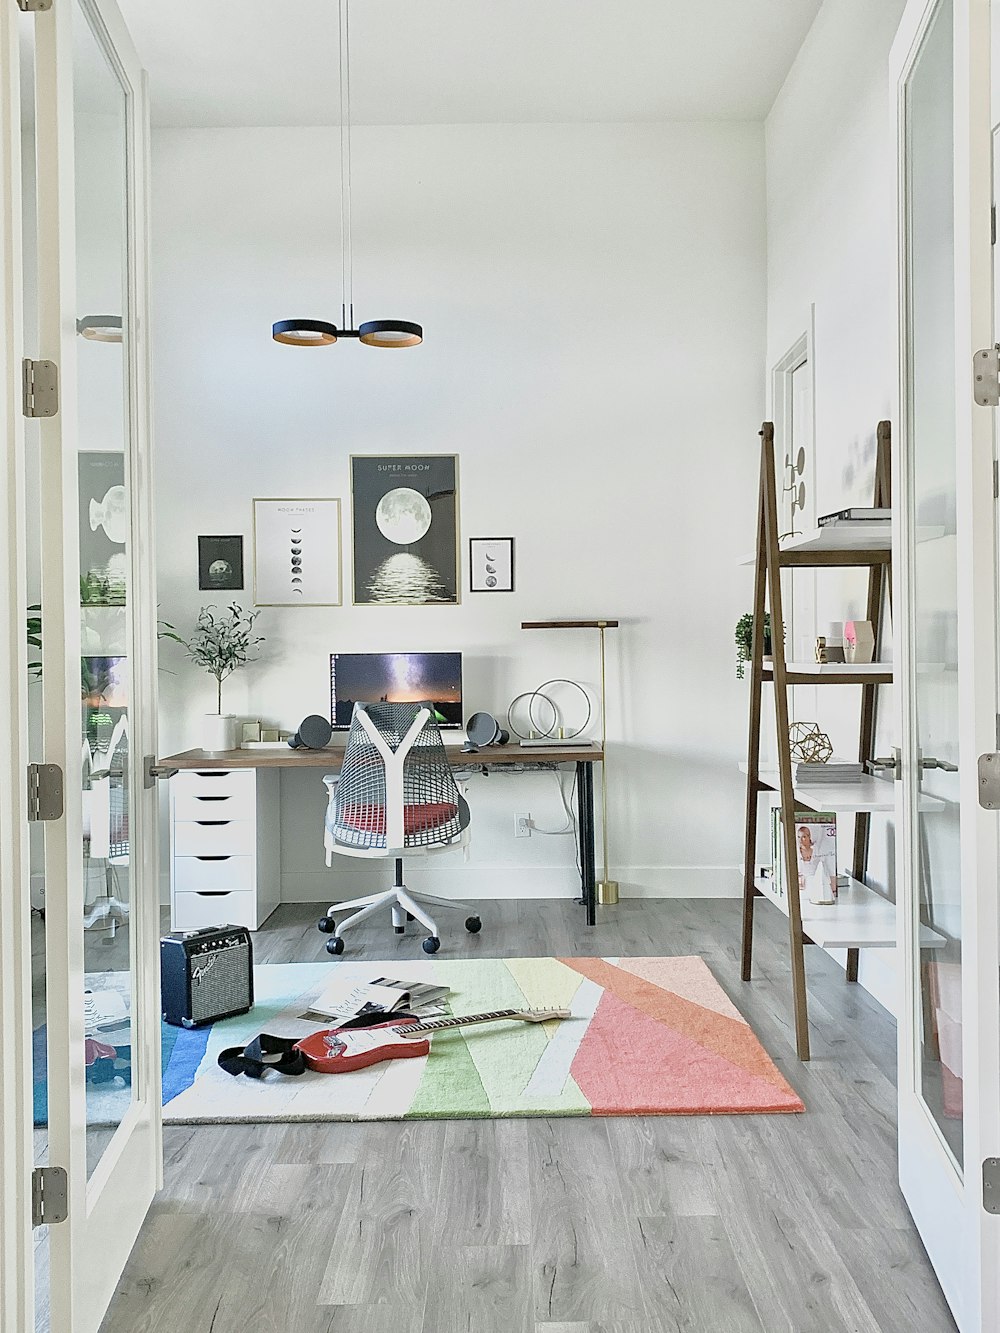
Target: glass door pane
(933, 675)
(103, 424)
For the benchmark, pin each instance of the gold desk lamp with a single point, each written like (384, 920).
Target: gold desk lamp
(607, 888)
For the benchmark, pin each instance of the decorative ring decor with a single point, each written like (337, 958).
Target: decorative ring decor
(531, 694)
(563, 680)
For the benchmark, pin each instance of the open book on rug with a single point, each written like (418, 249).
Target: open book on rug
(344, 999)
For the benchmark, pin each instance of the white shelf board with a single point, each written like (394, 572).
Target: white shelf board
(860, 669)
(867, 536)
(859, 919)
(867, 795)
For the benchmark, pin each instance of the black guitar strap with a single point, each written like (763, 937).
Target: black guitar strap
(267, 1052)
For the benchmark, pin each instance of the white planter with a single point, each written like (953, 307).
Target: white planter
(218, 732)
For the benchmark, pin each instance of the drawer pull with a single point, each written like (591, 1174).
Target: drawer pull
(212, 893)
(213, 823)
(213, 798)
(213, 858)
(213, 773)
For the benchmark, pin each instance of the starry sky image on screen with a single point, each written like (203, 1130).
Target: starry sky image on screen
(397, 678)
(405, 529)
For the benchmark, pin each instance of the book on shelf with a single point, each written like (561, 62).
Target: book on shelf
(856, 514)
(342, 1000)
(832, 771)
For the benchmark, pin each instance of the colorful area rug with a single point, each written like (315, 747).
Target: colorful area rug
(647, 1036)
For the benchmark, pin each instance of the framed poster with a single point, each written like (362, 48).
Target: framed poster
(405, 510)
(220, 562)
(296, 553)
(491, 564)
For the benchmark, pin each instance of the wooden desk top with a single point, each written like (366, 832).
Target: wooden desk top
(331, 757)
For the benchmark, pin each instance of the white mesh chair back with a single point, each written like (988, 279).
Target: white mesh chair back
(396, 789)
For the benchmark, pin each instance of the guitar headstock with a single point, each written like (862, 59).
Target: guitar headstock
(542, 1015)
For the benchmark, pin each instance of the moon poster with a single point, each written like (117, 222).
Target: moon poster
(296, 553)
(405, 529)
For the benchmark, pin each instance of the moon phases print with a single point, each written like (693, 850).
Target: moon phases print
(297, 553)
(491, 564)
(405, 520)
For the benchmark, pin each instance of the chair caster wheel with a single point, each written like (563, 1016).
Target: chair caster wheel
(473, 925)
(335, 946)
(400, 930)
(326, 924)
(431, 944)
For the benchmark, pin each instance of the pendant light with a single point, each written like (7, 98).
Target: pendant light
(320, 332)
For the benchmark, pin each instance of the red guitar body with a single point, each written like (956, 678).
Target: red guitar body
(339, 1050)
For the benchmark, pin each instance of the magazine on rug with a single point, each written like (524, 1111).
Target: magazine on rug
(343, 999)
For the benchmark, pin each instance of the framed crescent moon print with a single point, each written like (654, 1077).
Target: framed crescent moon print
(491, 564)
(297, 553)
(405, 515)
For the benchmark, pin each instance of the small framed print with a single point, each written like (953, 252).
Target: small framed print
(220, 563)
(296, 553)
(491, 564)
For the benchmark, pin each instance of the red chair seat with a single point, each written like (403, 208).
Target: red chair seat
(365, 818)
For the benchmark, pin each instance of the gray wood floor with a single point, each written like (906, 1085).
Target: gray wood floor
(727, 1224)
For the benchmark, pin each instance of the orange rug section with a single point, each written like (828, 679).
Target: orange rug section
(676, 1041)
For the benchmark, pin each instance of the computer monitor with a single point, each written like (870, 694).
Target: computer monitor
(396, 678)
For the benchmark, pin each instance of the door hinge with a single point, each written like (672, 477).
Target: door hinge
(34, 6)
(40, 388)
(986, 376)
(152, 771)
(989, 781)
(45, 792)
(991, 1184)
(49, 1196)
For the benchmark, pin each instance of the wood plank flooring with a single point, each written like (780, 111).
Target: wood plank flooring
(728, 1224)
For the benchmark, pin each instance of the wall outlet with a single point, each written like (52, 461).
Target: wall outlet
(522, 826)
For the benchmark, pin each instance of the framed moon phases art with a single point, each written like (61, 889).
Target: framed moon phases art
(405, 511)
(491, 564)
(296, 553)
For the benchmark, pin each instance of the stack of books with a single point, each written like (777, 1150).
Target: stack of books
(832, 771)
(857, 514)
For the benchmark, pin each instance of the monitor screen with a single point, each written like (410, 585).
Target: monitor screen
(396, 678)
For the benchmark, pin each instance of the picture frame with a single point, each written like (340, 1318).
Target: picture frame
(220, 563)
(491, 564)
(297, 552)
(405, 529)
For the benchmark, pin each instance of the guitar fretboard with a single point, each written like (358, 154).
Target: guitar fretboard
(436, 1024)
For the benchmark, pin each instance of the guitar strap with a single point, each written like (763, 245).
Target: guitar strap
(267, 1052)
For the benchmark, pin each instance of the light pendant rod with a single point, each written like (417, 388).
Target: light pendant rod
(346, 236)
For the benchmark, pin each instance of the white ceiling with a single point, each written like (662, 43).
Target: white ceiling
(270, 62)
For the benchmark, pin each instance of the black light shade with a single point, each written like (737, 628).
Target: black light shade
(390, 333)
(304, 332)
(100, 328)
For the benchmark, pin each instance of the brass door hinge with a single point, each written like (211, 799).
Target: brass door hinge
(45, 792)
(40, 388)
(49, 1196)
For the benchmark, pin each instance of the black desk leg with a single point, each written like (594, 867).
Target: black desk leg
(588, 859)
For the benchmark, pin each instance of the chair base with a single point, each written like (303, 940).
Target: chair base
(403, 906)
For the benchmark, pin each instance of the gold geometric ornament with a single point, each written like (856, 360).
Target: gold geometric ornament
(808, 744)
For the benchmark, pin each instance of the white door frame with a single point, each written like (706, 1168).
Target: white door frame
(16, 1247)
(106, 1210)
(962, 1240)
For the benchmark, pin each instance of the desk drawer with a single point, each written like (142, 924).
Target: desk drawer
(213, 874)
(230, 837)
(214, 803)
(215, 782)
(193, 910)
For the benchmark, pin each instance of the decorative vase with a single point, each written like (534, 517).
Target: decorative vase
(859, 641)
(218, 732)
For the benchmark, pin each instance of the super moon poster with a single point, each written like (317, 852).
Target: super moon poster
(405, 512)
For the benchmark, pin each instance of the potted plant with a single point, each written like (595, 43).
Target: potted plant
(744, 640)
(222, 642)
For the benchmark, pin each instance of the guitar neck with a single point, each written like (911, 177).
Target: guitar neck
(438, 1024)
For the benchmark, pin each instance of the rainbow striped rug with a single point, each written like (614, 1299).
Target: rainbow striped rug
(647, 1036)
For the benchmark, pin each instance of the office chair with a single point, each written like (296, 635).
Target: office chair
(395, 795)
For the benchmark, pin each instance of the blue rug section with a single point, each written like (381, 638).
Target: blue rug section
(181, 1052)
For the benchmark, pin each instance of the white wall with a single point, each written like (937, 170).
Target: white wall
(830, 244)
(593, 303)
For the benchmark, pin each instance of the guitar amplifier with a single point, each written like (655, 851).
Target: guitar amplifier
(206, 975)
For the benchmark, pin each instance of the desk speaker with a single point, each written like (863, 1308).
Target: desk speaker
(206, 975)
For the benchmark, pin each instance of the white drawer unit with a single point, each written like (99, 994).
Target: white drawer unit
(224, 847)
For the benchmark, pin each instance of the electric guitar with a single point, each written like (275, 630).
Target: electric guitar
(339, 1050)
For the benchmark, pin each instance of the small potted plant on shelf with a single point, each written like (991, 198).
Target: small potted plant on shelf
(222, 642)
(744, 640)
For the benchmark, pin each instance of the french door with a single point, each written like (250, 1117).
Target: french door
(945, 605)
(81, 1020)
